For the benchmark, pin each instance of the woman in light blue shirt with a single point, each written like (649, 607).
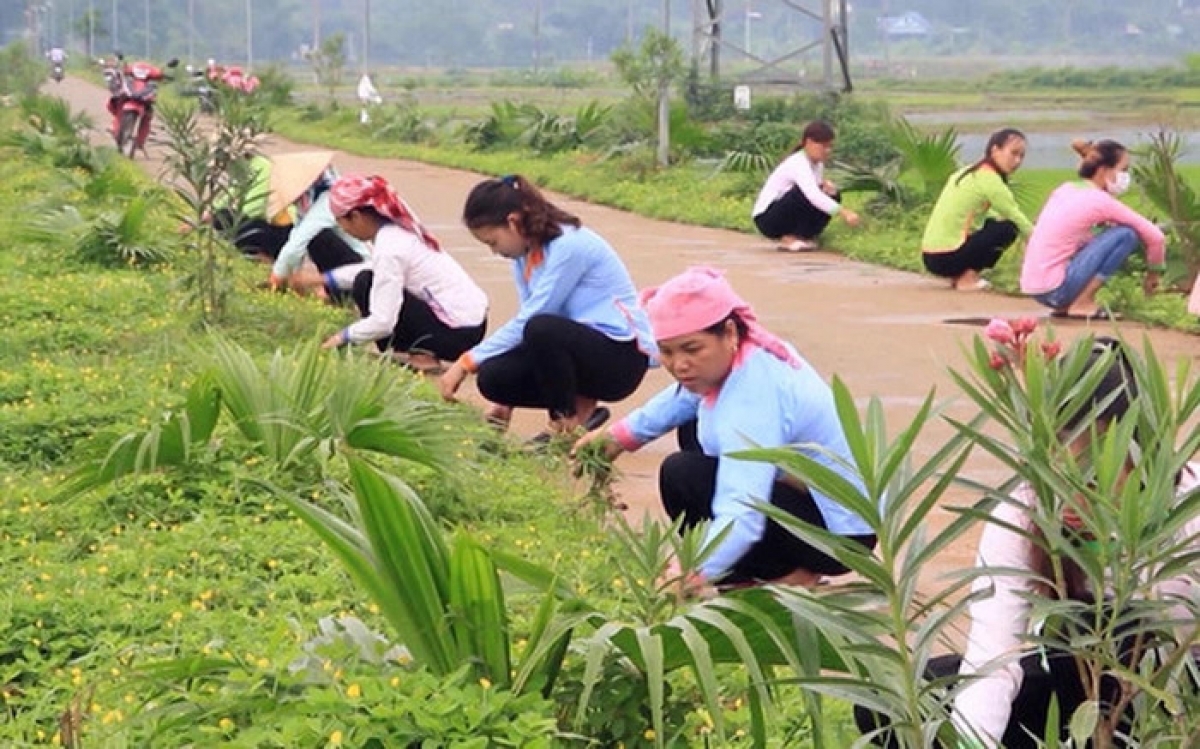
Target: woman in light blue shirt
(741, 387)
(579, 336)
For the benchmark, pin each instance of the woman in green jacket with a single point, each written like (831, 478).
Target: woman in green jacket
(961, 239)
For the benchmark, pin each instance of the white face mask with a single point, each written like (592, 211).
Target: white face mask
(1119, 184)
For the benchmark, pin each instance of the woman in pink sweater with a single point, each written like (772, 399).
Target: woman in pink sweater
(1066, 260)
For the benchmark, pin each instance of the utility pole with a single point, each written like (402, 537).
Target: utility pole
(664, 100)
(749, 19)
(116, 36)
(146, 19)
(249, 37)
(192, 30)
(366, 47)
(537, 35)
(316, 15)
(91, 28)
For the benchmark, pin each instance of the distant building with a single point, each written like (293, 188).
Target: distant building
(905, 26)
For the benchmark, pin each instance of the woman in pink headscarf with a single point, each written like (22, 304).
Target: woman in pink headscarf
(740, 387)
(415, 299)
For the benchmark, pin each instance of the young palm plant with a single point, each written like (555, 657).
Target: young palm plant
(126, 236)
(300, 409)
(1159, 179)
(927, 159)
(53, 132)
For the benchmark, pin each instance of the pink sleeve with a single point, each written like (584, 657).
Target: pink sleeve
(624, 436)
(999, 624)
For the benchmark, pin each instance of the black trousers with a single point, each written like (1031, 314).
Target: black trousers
(328, 251)
(559, 360)
(418, 328)
(253, 236)
(687, 481)
(258, 237)
(979, 251)
(793, 214)
(1055, 678)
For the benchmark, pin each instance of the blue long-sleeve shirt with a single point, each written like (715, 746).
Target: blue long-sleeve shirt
(765, 402)
(579, 277)
(318, 218)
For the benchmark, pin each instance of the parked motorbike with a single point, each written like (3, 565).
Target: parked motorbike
(200, 87)
(134, 89)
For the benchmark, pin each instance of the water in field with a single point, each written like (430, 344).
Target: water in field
(1052, 150)
(1048, 147)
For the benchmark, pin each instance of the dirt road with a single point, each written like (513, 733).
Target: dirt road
(885, 333)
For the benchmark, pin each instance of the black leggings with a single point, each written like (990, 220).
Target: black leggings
(418, 328)
(792, 214)
(328, 251)
(687, 481)
(559, 360)
(1053, 676)
(253, 236)
(979, 251)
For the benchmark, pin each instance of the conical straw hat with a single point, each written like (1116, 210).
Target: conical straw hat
(292, 174)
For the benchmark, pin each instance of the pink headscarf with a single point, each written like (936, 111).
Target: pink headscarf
(699, 298)
(355, 191)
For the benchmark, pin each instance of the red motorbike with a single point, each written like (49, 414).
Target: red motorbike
(134, 89)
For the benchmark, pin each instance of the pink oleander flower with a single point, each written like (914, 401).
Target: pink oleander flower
(997, 361)
(1024, 326)
(1000, 331)
(1051, 349)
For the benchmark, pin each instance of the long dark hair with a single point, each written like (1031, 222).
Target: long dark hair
(998, 139)
(1115, 392)
(1097, 155)
(492, 201)
(818, 131)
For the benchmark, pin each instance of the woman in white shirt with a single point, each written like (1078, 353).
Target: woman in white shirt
(796, 203)
(996, 708)
(416, 299)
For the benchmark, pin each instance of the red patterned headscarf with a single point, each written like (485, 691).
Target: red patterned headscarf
(356, 191)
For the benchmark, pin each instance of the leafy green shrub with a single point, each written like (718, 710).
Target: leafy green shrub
(223, 701)
(210, 167)
(708, 101)
(276, 85)
(401, 121)
(21, 73)
(328, 61)
(618, 708)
